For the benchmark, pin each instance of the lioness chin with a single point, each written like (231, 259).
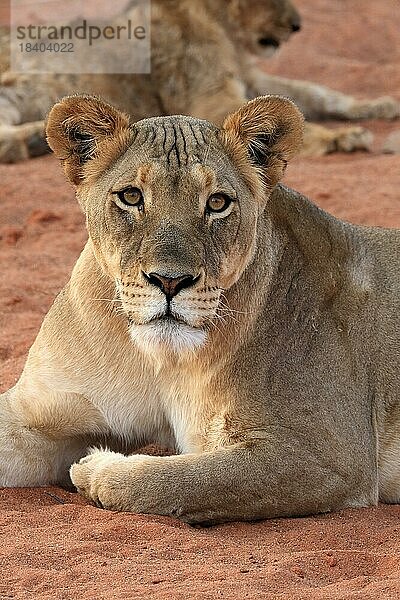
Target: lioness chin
(214, 311)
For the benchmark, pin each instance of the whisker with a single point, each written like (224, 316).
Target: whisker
(213, 324)
(233, 310)
(225, 316)
(105, 300)
(230, 310)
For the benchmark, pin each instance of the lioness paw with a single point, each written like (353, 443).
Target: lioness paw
(379, 108)
(350, 139)
(22, 141)
(96, 477)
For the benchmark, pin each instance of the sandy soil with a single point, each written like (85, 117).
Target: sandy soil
(54, 545)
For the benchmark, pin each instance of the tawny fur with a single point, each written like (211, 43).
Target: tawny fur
(273, 372)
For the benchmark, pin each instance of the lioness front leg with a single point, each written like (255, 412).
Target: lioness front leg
(320, 102)
(20, 142)
(246, 481)
(41, 435)
(318, 139)
(22, 128)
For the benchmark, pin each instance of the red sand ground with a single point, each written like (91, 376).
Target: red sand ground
(54, 545)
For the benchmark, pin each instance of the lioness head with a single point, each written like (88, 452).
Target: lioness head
(172, 204)
(260, 26)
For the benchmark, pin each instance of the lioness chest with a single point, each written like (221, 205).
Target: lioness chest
(168, 408)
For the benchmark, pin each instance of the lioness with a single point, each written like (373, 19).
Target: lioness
(213, 48)
(213, 311)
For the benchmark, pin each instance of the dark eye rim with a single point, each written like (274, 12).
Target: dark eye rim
(120, 195)
(228, 199)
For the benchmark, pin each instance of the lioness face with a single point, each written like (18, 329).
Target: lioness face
(173, 222)
(172, 206)
(262, 25)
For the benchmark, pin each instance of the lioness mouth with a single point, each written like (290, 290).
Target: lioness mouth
(268, 41)
(169, 318)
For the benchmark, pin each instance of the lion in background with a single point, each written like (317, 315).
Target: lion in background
(204, 63)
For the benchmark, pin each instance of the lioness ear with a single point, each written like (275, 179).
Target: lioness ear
(270, 130)
(78, 126)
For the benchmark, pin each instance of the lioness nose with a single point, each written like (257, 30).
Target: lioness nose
(296, 26)
(171, 285)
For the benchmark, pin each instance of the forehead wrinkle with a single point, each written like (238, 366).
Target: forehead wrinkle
(167, 147)
(176, 141)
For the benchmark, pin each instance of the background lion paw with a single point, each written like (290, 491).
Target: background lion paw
(380, 108)
(20, 142)
(350, 139)
(320, 140)
(93, 476)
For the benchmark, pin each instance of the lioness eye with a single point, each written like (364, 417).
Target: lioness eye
(218, 203)
(131, 196)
